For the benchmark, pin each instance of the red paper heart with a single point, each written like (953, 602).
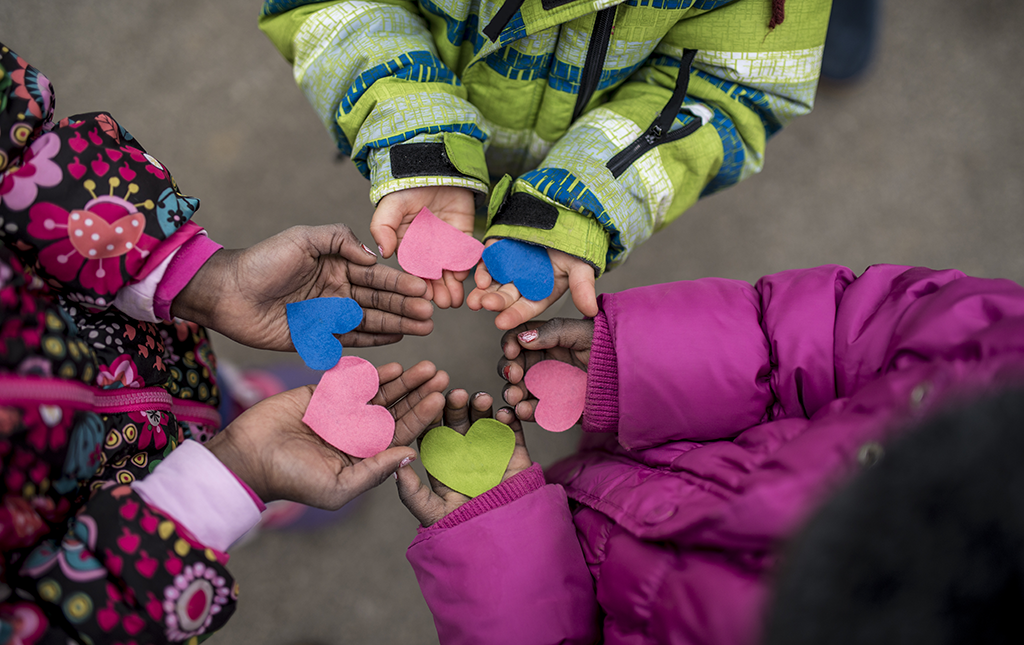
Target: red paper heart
(431, 245)
(96, 239)
(561, 391)
(339, 412)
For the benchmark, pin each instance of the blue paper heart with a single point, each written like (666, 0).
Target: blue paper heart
(526, 266)
(313, 324)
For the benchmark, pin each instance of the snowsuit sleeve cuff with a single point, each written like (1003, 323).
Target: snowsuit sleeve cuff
(192, 486)
(445, 159)
(518, 211)
(183, 267)
(601, 408)
(504, 493)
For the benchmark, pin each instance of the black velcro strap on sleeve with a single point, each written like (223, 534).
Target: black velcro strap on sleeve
(421, 160)
(523, 209)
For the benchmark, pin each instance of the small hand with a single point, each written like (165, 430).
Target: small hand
(243, 293)
(561, 339)
(431, 503)
(571, 273)
(396, 211)
(280, 457)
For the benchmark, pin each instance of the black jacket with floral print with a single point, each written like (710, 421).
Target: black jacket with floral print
(90, 398)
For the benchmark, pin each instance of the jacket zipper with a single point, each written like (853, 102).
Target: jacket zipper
(590, 77)
(658, 132)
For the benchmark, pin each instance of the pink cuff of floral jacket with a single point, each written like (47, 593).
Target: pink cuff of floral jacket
(202, 494)
(150, 299)
(504, 493)
(601, 407)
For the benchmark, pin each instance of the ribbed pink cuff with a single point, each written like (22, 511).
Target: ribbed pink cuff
(504, 493)
(601, 408)
(183, 267)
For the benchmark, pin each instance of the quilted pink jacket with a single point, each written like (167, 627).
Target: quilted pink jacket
(723, 414)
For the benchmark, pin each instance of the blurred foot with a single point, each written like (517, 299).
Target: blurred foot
(850, 42)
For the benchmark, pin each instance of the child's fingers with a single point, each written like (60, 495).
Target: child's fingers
(384, 322)
(361, 476)
(513, 394)
(524, 310)
(510, 346)
(480, 407)
(499, 297)
(410, 425)
(453, 280)
(511, 370)
(387, 373)
(378, 280)
(567, 333)
(396, 382)
(507, 416)
(442, 297)
(372, 339)
(456, 411)
(435, 385)
(482, 277)
(524, 409)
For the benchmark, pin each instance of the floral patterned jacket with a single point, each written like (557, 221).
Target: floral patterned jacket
(96, 388)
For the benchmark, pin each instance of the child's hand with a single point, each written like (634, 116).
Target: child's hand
(561, 339)
(395, 212)
(243, 293)
(280, 457)
(570, 273)
(430, 504)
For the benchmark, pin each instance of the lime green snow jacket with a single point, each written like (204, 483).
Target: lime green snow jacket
(572, 115)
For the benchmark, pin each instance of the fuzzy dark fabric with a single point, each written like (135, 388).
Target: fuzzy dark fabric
(927, 546)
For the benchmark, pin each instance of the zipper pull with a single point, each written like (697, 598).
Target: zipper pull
(654, 132)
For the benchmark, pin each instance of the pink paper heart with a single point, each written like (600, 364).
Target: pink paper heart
(561, 391)
(431, 245)
(339, 412)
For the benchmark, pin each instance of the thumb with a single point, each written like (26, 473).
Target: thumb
(384, 224)
(373, 471)
(581, 284)
(338, 239)
(421, 501)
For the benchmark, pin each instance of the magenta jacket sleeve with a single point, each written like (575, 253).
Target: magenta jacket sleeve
(725, 355)
(513, 574)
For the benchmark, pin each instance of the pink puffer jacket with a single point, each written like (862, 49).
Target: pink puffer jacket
(723, 415)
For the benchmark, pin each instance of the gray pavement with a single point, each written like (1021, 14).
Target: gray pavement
(918, 163)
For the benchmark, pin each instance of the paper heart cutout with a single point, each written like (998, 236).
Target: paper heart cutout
(561, 391)
(313, 323)
(526, 266)
(96, 239)
(431, 245)
(470, 464)
(340, 414)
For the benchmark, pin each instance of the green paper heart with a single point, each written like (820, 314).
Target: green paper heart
(470, 464)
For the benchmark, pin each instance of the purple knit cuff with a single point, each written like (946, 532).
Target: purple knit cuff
(601, 409)
(504, 493)
(183, 267)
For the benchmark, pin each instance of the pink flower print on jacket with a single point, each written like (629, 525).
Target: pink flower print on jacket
(122, 372)
(92, 240)
(20, 184)
(152, 428)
